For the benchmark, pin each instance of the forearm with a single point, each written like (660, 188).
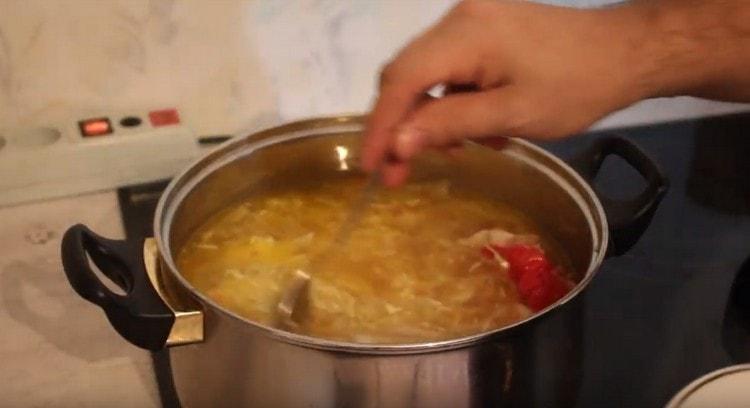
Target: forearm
(698, 48)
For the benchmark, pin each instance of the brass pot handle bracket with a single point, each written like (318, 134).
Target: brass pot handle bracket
(188, 323)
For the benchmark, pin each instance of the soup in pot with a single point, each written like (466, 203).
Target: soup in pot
(425, 262)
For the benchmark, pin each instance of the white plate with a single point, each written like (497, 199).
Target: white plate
(726, 388)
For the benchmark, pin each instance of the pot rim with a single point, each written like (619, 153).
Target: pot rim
(229, 151)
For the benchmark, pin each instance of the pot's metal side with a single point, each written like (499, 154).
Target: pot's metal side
(217, 317)
(236, 367)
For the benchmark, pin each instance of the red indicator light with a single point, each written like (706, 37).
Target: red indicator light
(95, 127)
(164, 117)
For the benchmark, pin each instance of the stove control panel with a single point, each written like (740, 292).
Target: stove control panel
(98, 151)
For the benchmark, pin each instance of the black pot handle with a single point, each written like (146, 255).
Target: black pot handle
(140, 315)
(627, 219)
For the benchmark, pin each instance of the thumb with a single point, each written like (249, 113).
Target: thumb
(454, 118)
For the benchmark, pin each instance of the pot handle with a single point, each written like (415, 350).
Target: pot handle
(140, 315)
(629, 218)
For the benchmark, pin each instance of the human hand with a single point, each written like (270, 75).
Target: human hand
(537, 71)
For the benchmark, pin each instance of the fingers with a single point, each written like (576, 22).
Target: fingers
(496, 143)
(454, 118)
(394, 173)
(432, 59)
(461, 88)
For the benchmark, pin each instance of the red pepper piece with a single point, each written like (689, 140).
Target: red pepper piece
(523, 259)
(520, 258)
(542, 287)
(539, 282)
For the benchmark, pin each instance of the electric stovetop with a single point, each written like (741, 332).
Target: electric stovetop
(677, 305)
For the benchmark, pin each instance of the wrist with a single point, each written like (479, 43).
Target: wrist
(689, 46)
(671, 54)
(636, 52)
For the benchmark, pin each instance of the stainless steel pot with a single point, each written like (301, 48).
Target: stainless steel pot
(221, 359)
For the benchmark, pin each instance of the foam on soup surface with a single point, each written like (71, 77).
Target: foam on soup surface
(426, 262)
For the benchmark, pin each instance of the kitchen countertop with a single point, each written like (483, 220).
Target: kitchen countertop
(56, 348)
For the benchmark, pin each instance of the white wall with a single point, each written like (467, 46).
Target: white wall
(228, 65)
